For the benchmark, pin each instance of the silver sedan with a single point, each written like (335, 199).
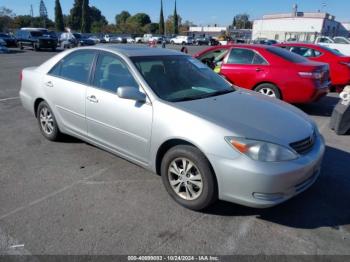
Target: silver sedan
(171, 114)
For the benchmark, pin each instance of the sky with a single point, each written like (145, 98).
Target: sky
(200, 12)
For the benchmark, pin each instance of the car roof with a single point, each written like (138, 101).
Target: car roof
(134, 51)
(298, 44)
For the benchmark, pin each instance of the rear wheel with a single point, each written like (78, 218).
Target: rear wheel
(269, 90)
(47, 122)
(188, 178)
(20, 46)
(36, 47)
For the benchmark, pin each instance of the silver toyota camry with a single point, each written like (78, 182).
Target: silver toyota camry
(170, 114)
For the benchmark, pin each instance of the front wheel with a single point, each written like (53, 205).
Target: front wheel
(188, 177)
(269, 90)
(47, 122)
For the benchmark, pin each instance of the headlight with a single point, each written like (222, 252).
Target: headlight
(260, 150)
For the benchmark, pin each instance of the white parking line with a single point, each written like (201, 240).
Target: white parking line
(9, 98)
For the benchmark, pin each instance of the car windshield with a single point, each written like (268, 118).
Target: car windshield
(77, 36)
(289, 56)
(180, 78)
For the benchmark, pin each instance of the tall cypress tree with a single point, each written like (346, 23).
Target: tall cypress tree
(85, 17)
(59, 17)
(161, 19)
(176, 21)
(75, 15)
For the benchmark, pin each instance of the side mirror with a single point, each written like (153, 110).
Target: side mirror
(132, 93)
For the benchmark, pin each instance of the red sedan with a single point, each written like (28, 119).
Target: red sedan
(269, 70)
(339, 65)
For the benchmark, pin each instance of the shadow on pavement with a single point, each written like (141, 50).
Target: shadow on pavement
(325, 204)
(323, 107)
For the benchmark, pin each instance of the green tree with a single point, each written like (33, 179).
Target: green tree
(6, 18)
(242, 21)
(161, 19)
(151, 28)
(76, 15)
(59, 17)
(140, 19)
(85, 17)
(176, 21)
(121, 18)
(169, 24)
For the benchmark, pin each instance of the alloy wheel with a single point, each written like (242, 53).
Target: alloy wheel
(267, 92)
(185, 178)
(46, 120)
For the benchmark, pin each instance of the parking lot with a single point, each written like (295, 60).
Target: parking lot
(73, 198)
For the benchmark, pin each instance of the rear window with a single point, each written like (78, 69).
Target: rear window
(289, 56)
(333, 51)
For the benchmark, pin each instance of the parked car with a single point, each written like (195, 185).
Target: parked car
(36, 38)
(130, 40)
(181, 40)
(341, 40)
(331, 43)
(174, 116)
(339, 64)
(83, 40)
(206, 41)
(95, 39)
(10, 40)
(270, 70)
(67, 40)
(116, 39)
(3, 48)
(265, 41)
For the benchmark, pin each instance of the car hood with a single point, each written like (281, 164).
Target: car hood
(252, 115)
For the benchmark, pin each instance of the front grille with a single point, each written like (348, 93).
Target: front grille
(305, 145)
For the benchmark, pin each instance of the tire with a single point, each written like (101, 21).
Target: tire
(183, 43)
(36, 47)
(269, 90)
(204, 192)
(45, 116)
(172, 42)
(20, 46)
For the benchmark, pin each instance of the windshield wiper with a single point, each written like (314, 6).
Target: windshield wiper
(217, 93)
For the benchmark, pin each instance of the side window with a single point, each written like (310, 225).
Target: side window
(241, 56)
(111, 72)
(75, 67)
(214, 56)
(259, 60)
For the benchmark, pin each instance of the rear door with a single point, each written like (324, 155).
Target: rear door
(244, 67)
(66, 85)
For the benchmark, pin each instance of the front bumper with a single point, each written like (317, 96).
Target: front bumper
(266, 184)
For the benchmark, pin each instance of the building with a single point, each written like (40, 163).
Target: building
(297, 26)
(205, 31)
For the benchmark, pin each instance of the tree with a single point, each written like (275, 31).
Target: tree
(242, 21)
(169, 24)
(43, 12)
(76, 15)
(234, 23)
(121, 18)
(161, 19)
(59, 17)
(98, 21)
(6, 18)
(176, 21)
(140, 19)
(151, 28)
(85, 17)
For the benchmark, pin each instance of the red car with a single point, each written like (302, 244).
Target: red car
(269, 70)
(339, 65)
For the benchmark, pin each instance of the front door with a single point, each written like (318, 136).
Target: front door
(119, 124)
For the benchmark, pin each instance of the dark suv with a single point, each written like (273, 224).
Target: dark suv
(37, 39)
(9, 40)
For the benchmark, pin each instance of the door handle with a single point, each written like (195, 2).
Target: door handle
(92, 99)
(258, 69)
(49, 84)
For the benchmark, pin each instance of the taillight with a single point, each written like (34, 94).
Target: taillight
(21, 76)
(312, 75)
